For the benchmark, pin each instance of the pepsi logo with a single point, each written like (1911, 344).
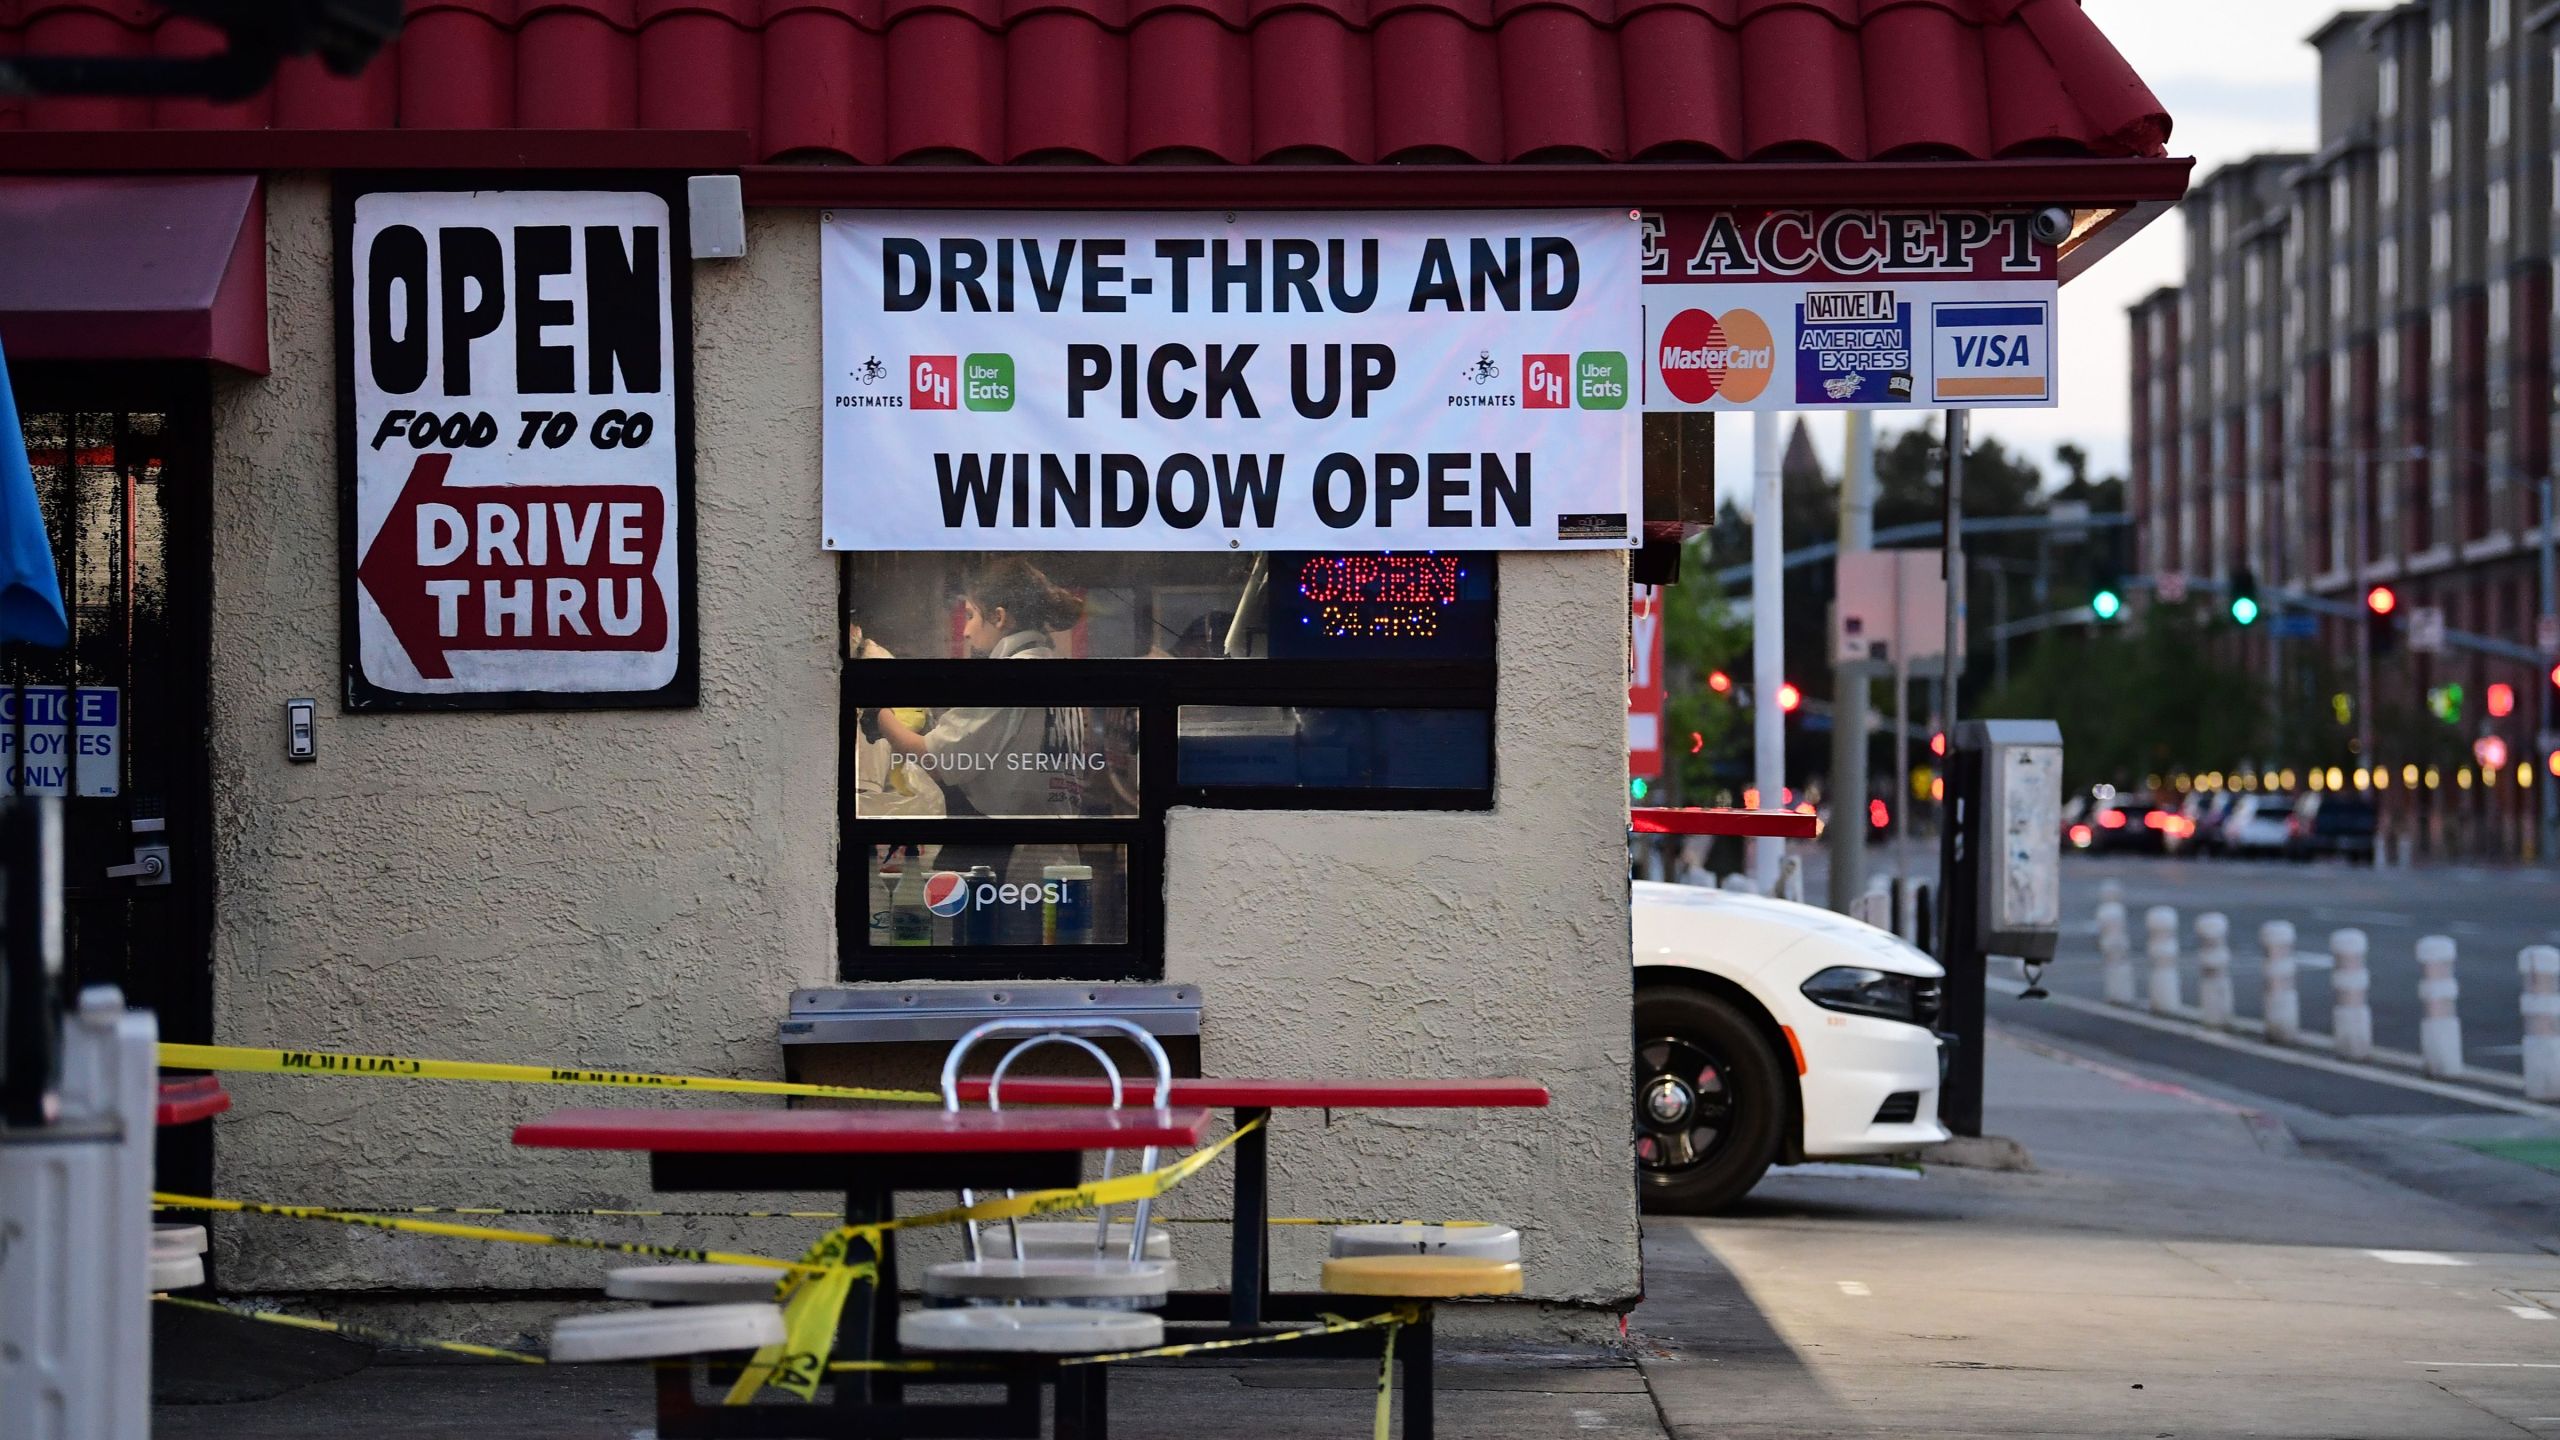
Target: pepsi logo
(946, 892)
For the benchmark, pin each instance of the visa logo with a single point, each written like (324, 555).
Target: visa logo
(1993, 352)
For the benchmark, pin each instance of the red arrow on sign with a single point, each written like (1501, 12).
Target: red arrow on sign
(516, 567)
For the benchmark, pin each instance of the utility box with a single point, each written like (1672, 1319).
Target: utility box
(2000, 859)
(2018, 895)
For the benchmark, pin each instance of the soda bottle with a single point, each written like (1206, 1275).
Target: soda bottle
(910, 923)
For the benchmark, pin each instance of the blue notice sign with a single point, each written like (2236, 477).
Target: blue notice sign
(59, 741)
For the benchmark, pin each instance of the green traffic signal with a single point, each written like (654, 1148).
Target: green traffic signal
(2106, 605)
(2244, 598)
(1637, 788)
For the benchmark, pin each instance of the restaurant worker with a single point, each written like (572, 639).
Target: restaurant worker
(991, 760)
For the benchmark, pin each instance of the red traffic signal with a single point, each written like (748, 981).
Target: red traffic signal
(2381, 600)
(2502, 701)
(1720, 682)
(1789, 697)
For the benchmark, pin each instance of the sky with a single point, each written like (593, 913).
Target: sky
(2236, 79)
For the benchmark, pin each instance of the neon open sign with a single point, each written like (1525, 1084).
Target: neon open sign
(1379, 597)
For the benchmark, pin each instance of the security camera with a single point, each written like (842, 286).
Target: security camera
(2052, 224)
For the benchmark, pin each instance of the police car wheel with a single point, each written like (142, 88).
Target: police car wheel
(1710, 1102)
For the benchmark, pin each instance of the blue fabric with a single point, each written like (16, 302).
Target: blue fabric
(30, 596)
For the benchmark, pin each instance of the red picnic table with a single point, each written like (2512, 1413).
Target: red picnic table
(868, 1156)
(1249, 1285)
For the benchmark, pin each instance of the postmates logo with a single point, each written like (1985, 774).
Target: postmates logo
(933, 382)
(1543, 381)
(946, 892)
(1703, 356)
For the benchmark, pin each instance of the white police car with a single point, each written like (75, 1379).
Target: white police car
(1770, 1031)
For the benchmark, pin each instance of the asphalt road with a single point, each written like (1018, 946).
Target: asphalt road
(2491, 913)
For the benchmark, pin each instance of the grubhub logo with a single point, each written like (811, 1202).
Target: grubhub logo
(1703, 356)
(933, 382)
(1542, 381)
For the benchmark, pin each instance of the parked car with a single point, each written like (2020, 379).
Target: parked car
(2187, 836)
(2258, 825)
(2125, 823)
(2332, 823)
(2210, 820)
(1767, 1030)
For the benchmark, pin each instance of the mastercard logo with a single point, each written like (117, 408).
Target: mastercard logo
(1703, 356)
(946, 892)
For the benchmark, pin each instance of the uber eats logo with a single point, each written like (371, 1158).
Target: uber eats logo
(1600, 380)
(986, 382)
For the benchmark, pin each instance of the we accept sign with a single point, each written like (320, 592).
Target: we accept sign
(1847, 310)
(1195, 382)
(518, 448)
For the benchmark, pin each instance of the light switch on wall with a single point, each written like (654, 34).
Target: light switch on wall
(301, 730)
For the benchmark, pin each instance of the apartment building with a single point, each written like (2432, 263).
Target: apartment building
(2354, 386)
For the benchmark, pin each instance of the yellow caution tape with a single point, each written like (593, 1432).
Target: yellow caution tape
(356, 1332)
(162, 1200)
(1386, 1382)
(1125, 1189)
(810, 1308)
(605, 1214)
(258, 1061)
(1333, 1325)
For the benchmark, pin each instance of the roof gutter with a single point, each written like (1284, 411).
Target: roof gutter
(2082, 184)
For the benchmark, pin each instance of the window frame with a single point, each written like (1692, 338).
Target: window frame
(1157, 690)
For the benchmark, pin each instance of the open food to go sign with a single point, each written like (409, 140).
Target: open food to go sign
(518, 448)
(1206, 382)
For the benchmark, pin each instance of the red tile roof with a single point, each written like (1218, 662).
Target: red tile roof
(1196, 81)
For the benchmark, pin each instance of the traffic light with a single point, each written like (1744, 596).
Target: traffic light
(2244, 598)
(1638, 788)
(2381, 619)
(2106, 576)
(1720, 682)
(1789, 698)
(2501, 701)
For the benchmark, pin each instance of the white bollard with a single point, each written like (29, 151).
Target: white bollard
(2351, 987)
(2162, 922)
(2283, 1007)
(2213, 968)
(1876, 906)
(2115, 953)
(1791, 878)
(2541, 1004)
(2439, 1024)
(2110, 892)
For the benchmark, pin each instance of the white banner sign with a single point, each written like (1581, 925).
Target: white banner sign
(74, 740)
(1257, 382)
(1848, 310)
(518, 366)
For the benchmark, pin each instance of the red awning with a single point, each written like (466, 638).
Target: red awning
(1190, 82)
(134, 268)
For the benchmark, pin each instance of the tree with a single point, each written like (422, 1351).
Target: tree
(1700, 636)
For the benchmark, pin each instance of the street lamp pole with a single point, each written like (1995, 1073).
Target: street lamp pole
(2364, 632)
(2550, 846)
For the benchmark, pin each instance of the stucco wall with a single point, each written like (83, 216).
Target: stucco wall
(644, 889)
(1449, 944)
(627, 888)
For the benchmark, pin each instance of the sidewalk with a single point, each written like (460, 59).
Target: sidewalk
(2177, 1265)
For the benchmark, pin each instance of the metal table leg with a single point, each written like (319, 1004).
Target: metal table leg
(1249, 1279)
(1415, 1346)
